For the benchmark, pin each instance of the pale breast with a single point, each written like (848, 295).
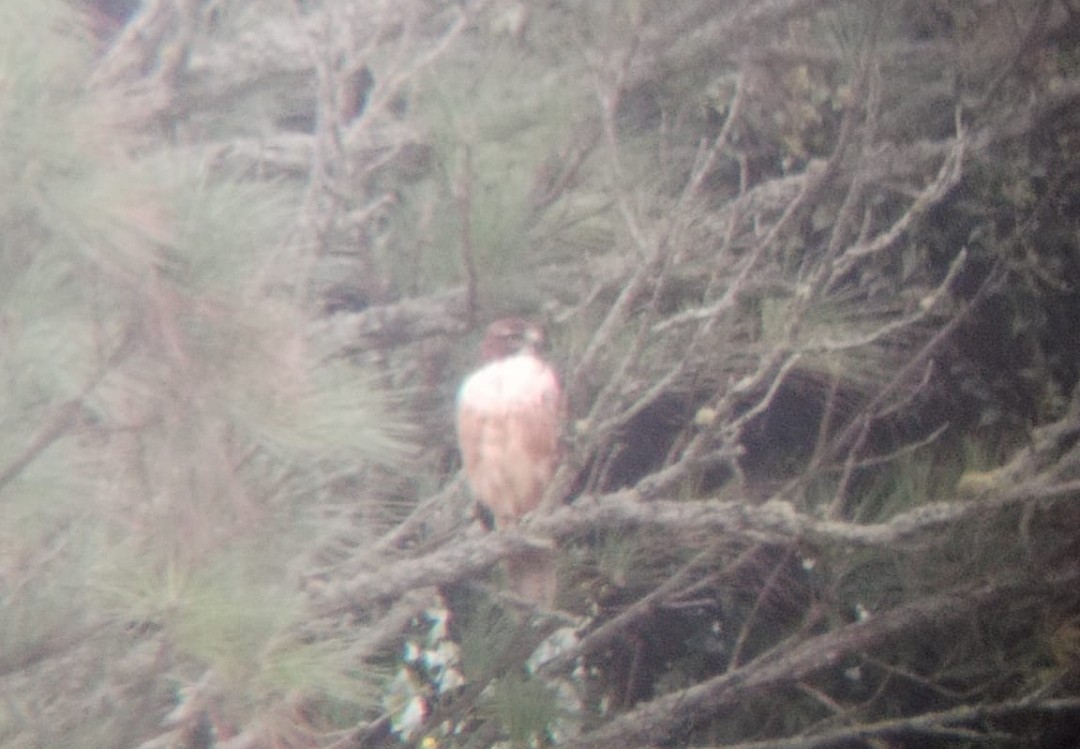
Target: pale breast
(509, 419)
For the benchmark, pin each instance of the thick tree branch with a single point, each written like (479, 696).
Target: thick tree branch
(774, 522)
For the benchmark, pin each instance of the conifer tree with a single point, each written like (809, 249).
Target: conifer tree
(808, 268)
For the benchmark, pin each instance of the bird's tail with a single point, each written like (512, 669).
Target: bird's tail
(531, 575)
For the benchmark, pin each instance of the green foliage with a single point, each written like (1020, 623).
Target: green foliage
(493, 139)
(175, 448)
(526, 708)
(323, 670)
(488, 633)
(163, 417)
(238, 614)
(338, 415)
(226, 229)
(46, 172)
(623, 558)
(41, 106)
(228, 620)
(906, 484)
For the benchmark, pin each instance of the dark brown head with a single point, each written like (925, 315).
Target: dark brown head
(510, 336)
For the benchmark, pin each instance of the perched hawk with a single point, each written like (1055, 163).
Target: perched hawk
(510, 415)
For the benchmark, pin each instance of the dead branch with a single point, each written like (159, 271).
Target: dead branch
(946, 723)
(774, 522)
(464, 195)
(662, 718)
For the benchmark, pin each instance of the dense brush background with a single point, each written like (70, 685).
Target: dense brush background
(810, 268)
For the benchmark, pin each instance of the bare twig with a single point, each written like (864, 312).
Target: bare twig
(608, 632)
(945, 724)
(948, 176)
(658, 720)
(751, 618)
(64, 416)
(858, 431)
(463, 195)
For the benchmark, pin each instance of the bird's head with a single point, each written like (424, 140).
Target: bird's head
(510, 336)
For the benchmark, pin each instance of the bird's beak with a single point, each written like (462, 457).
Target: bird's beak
(535, 339)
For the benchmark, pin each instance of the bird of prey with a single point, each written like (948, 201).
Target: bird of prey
(510, 415)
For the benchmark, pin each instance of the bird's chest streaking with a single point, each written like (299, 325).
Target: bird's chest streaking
(508, 421)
